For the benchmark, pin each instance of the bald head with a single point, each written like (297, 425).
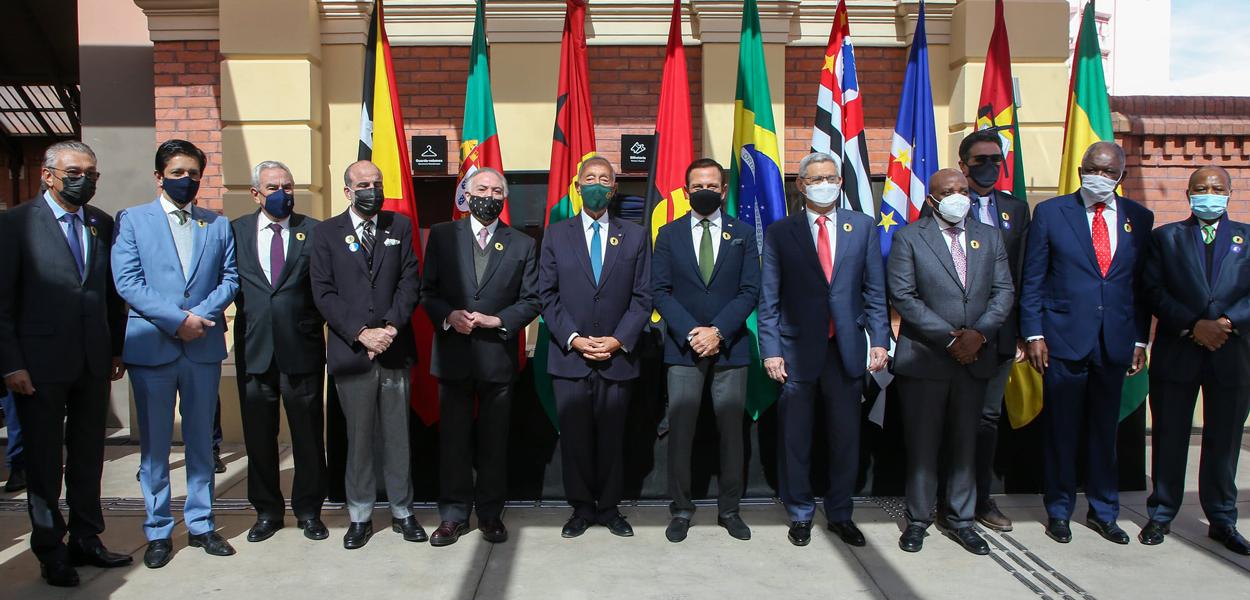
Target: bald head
(361, 175)
(946, 182)
(1211, 179)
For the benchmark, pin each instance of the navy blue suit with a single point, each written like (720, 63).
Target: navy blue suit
(1091, 324)
(794, 325)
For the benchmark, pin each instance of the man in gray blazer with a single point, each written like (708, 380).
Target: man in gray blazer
(950, 281)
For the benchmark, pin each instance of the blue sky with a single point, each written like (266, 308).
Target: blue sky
(1211, 46)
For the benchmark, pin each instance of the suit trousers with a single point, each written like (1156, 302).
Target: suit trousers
(685, 396)
(842, 397)
(1224, 411)
(987, 432)
(193, 386)
(1081, 396)
(262, 394)
(70, 417)
(465, 446)
(375, 406)
(940, 419)
(591, 412)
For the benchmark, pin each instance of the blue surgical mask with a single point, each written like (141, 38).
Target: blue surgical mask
(280, 204)
(1208, 207)
(182, 190)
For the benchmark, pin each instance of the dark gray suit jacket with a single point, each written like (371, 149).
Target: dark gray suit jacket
(925, 290)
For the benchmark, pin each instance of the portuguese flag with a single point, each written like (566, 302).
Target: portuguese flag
(572, 142)
(673, 150)
(480, 145)
(997, 109)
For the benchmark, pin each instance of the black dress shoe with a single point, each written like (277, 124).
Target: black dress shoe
(58, 574)
(736, 527)
(17, 483)
(912, 539)
(96, 555)
(212, 543)
(677, 529)
(493, 530)
(970, 540)
(263, 529)
(357, 535)
(574, 527)
(1059, 530)
(1108, 530)
(448, 532)
(158, 553)
(848, 532)
(412, 530)
(219, 466)
(1228, 535)
(619, 526)
(800, 533)
(314, 529)
(1153, 533)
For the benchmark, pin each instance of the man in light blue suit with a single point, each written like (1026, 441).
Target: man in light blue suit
(173, 263)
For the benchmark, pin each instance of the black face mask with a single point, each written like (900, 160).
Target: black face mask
(77, 190)
(485, 208)
(368, 202)
(705, 202)
(181, 191)
(985, 174)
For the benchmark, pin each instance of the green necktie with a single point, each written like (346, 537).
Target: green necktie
(706, 259)
(1208, 234)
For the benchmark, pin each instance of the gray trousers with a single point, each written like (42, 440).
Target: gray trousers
(685, 396)
(987, 432)
(940, 419)
(375, 406)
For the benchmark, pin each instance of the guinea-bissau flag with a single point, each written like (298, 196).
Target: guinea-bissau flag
(480, 145)
(382, 141)
(757, 194)
(572, 142)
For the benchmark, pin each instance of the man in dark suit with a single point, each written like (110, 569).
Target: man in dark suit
(279, 346)
(1195, 280)
(981, 160)
(62, 326)
(480, 290)
(1086, 327)
(706, 279)
(366, 284)
(594, 282)
(823, 290)
(950, 282)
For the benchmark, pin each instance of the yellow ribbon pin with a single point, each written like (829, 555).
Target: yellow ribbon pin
(499, 246)
(726, 236)
(94, 233)
(1006, 217)
(299, 235)
(1128, 228)
(975, 245)
(1236, 239)
(614, 241)
(201, 223)
(847, 227)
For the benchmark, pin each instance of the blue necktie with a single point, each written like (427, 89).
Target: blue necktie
(596, 251)
(75, 241)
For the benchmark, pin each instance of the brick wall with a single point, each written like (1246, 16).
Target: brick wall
(188, 106)
(1166, 138)
(27, 180)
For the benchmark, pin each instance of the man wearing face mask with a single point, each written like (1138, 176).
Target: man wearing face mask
(950, 281)
(594, 282)
(173, 262)
(279, 349)
(61, 332)
(480, 289)
(366, 283)
(1195, 283)
(706, 279)
(823, 288)
(1086, 328)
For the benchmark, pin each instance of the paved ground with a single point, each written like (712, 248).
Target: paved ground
(537, 563)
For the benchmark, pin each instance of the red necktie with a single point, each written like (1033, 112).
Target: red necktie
(1102, 239)
(825, 253)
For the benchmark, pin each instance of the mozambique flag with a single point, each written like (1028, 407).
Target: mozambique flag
(756, 193)
(480, 145)
(382, 141)
(572, 142)
(997, 108)
(666, 193)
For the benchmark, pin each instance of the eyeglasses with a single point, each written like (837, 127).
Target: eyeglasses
(822, 179)
(75, 173)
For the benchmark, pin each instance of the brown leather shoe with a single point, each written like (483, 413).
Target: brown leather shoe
(993, 518)
(448, 532)
(493, 531)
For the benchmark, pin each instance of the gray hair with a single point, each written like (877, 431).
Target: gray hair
(492, 171)
(55, 150)
(265, 165)
(816, 158)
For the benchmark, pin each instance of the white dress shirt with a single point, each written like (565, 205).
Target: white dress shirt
(264, 240)
(58, 212)
(1108, 213)
(830, 228)
(358, 224)
(714, 228)
(587, 229)
(476, 227)
(963, 237)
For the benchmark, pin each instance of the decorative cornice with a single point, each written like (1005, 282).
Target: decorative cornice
(345, 21)
(181, 20)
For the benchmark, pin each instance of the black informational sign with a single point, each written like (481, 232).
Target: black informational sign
(637, 153)
(429, 153)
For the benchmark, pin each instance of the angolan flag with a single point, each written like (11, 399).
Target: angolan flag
(839, 127)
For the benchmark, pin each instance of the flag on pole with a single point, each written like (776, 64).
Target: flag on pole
(382, 141)
(839, 127)
(480, 145)
(913, 151)
(672, 147)
(997, 108)
(756, 192)
(572, 142)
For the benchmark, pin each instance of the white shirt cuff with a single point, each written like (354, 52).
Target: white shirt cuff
(572, 336)
(1141, 344)
(1035, 338)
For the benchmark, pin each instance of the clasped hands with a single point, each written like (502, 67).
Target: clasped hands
(465, 322)
(193, 327)
(705, 341)
(1211, 333)
(377, 339)
(596, 348)
(966, 345)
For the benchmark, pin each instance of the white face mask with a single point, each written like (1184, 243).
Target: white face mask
(823, 194)
(1099, 188)
(953, 208)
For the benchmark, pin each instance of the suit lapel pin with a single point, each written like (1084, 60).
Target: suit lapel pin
(351, 239)
(499, 246)
(94, 233)
(1128, 228)
(1238, 239)
(614, 241)
(975, 245)
(353, 246)
(1005, 216)
(201, 223)
(726, 236)
(299, 235)
(847, 227)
